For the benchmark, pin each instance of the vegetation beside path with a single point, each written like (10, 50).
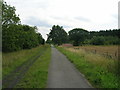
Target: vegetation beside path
(14, 59)
(36, 77)
(100, 71)
(32, 62)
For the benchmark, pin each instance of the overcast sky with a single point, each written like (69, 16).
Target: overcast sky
(92, 15)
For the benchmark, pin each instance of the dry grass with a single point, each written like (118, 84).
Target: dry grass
(95, 59)
(108, 51)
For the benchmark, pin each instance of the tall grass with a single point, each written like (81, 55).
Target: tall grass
(100, 71)
(36, 77)
(96, 59)
(10, 61)
(111, 51)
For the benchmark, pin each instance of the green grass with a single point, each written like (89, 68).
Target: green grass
(10, 61)
(36, 76)
(96, 73)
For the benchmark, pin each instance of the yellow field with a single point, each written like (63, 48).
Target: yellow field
(107, 51)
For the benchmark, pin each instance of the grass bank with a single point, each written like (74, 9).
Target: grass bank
(36, 76)
(100, 71)
(10, 61)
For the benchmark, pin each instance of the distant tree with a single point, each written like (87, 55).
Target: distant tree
(114, 33)
(77, 36)
(57, 35)
(40, 39)
(104, 40)
(43, 41)
(111, 40)
(98, 40)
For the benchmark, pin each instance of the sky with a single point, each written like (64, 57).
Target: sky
(91, 15)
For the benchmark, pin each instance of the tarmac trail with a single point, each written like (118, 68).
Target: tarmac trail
(63, 74)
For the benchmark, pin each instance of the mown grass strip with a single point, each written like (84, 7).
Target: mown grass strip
(36, 77)
(98, 76)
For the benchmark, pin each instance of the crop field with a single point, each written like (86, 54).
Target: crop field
(106, 51)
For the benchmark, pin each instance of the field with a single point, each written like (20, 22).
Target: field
(26, 68)
(107, 51)
(101, 71)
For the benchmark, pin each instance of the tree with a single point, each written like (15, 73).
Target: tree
(114, 33)
(104, 40)
(77, 36)
(98, 40)
(16, 36)
(40, 39)
(8, 15)
(57, 35)
(9, 22)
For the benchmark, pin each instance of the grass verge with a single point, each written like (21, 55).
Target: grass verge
(95, 68)
(10, 61)
(36, 76)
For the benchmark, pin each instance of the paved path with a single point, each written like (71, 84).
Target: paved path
(63, 74)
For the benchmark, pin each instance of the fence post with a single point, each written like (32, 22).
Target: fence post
(107, 53)
(115, 54)
(95, 51)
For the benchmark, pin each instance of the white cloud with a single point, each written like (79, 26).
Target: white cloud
(37, 22)
(87, 14)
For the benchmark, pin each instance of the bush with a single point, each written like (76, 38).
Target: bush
(18, 37)
(97, 40)
(103, 40)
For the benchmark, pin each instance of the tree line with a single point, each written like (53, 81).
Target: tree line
(16, 36)
(79, 36)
